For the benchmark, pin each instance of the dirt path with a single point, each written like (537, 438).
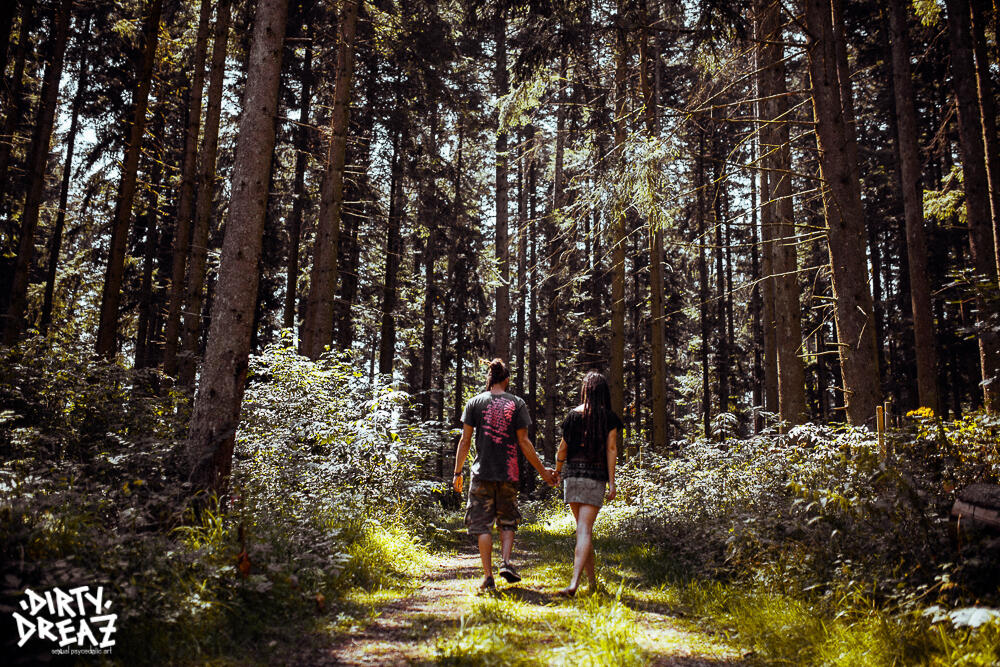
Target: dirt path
(410, 630)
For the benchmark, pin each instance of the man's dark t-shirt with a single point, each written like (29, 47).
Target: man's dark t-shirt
(496, 418)
(588, 460)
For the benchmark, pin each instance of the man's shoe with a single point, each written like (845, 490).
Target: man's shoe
(488, 586)
(508, 572)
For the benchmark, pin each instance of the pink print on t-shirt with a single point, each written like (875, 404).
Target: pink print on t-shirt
(496, 424)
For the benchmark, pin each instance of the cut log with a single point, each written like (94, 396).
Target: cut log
(978, 505)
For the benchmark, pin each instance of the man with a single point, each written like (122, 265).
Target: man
(500, 421)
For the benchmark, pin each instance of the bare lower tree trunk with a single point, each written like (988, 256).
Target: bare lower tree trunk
(146, 298)
(37, 161)
(844, 218)
(55, 245)
(298, 190)
(107, 332)
(186, 199)
(220, 391)
(925, 344)
(197, 261)
(977, 203)
(317, 331)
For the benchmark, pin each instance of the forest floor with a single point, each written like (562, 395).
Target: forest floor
(443, 619)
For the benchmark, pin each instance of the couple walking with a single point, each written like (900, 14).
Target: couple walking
(585, 462)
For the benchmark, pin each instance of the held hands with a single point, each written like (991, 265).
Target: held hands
(551, 476)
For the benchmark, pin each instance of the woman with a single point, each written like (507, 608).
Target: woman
(586, 461)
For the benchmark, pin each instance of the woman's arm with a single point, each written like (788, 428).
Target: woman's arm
(612, 460)
(561, 455)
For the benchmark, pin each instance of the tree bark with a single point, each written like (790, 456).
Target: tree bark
(844, 218)
(38, 155)
(977, 204)
(195, 285)
(220, 391)
(317, 331)
(907, 128)
(55, 245)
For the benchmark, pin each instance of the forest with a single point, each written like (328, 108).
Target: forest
(256, 255)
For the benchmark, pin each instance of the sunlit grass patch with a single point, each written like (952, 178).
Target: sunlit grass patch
(382, 553)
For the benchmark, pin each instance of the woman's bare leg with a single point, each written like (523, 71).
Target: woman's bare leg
(583, 557)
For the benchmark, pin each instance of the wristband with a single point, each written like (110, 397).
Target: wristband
(457, 474)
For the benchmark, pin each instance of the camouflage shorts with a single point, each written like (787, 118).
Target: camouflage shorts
(491, 502)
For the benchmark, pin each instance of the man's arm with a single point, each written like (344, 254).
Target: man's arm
(529, 453)
(463, 451)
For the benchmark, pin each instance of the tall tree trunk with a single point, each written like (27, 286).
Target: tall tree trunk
(393, 252)
(220, 392)
(14, 102)
(706, 391)
(6, 25)
(146, 297)
(756, 295)
(55, 245)
(913, 209)
(107, 332)
(658, 361)
(298, 188)
(317, 331)
(196, 269)
(37, 162)
(457, 305)
(977, 204)
(722, 347)
(185, 204)
(430, 286)
(844, 218)
(616, 365)
(988, 113)
(522, 260)
(779, 211)
(555, 271)
(533, 332)
(501, 326)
